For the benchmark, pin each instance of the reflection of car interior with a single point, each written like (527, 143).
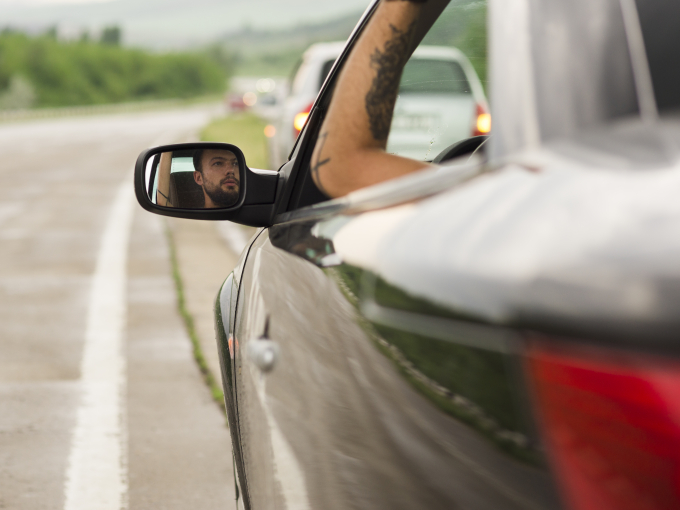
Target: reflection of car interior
(183, 190)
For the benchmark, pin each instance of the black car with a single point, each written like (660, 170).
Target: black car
(499, 332)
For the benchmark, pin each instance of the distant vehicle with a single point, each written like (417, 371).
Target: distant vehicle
(234, 102)
(441, 101)
(306, 80)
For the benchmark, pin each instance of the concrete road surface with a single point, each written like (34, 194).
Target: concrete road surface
(101, 403)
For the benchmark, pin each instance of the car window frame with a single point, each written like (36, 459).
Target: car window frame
(297, 171)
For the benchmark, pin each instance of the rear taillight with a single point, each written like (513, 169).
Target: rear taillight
(611, 423)
(482, 121)
(300, 119)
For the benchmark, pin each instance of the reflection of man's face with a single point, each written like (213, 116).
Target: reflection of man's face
(219, 178)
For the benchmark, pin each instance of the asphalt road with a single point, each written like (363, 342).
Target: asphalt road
(101, 403)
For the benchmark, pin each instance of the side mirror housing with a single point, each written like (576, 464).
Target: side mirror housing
(206, 181)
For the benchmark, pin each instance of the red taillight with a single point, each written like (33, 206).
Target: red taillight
(482, 124)
(300, 119)
(611, 425)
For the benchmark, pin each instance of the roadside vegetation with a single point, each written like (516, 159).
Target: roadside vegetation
(45, 72)
(246, 131)
(276, 52)
(209, 378)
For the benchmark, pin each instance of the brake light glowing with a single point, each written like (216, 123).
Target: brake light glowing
(482, 122)
(301, 119)
(611, 422)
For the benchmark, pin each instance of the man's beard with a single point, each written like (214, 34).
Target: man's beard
(222, 197)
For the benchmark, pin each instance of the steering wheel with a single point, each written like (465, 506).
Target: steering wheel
(467, 146)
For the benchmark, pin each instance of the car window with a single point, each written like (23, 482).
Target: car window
(426, 76)
(442, 97)
(659, 25)
(325, 69)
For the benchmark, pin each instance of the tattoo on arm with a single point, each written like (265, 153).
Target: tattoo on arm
(167, 200)
(320, 162)
(388, 65)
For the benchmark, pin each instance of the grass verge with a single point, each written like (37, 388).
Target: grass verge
(246, 131)
(104, 109)
(208, 377)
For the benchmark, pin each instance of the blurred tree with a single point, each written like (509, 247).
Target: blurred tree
(79, 73)
(222, 56)
(52, 32)
(111, 35)
(19, 95)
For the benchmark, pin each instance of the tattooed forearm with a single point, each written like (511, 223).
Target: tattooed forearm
(382, 95)
(319, 162)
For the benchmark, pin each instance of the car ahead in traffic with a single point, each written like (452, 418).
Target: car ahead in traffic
(499, 331)
(441, 100)
(307, 78)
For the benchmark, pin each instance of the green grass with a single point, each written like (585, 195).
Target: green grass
(246, 131)
(208, 376)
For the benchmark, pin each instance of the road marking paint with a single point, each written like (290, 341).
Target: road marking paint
(96, 476)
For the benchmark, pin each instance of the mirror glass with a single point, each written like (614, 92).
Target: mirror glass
(203, 178)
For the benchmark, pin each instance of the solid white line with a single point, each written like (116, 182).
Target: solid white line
(96, 476)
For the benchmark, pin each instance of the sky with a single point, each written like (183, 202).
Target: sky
(168, 24)
(50, 2)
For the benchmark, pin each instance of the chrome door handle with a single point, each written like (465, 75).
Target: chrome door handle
(263, 353)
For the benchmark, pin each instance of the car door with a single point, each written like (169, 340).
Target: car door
(378, 399)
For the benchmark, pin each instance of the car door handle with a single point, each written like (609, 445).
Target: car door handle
(263, 353)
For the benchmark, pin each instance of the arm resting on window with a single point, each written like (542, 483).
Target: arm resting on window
(350, 151)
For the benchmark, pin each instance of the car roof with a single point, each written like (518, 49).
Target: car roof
(438, 53)
(326, 50)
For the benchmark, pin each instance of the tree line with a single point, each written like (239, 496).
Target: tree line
(42, 71)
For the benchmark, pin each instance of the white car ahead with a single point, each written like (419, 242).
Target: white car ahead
(441, 101)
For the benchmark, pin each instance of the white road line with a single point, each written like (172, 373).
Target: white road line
(96, 476)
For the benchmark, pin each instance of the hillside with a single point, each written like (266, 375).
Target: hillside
(172, 24)
(275, 52)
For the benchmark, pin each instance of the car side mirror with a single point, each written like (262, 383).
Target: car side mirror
(208, 181)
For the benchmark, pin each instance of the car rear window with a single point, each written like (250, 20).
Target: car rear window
(422, 76)
(325, 69)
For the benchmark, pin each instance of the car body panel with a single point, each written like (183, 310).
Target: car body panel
(337, 423)
(404, 312)
(374, 305)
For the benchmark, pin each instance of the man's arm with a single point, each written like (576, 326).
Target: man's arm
(163, 188)
(350, 151)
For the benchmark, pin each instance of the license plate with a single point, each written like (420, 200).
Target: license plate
(417, 122)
